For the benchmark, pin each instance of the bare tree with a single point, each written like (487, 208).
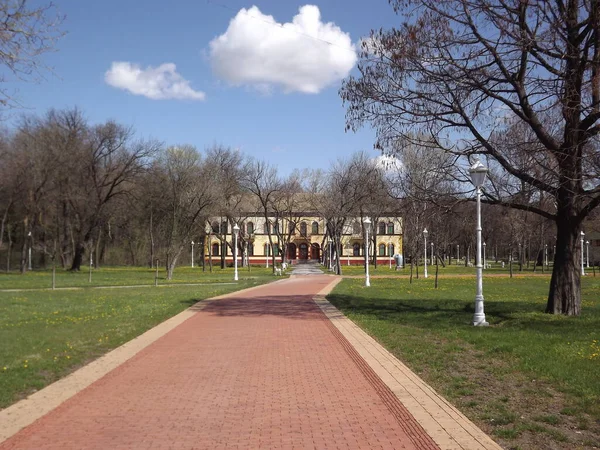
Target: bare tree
(185, 193)
(26, 33)
(467, 73)
(261, 180)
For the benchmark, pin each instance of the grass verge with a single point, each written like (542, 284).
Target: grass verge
(45, 335)
(531, 380)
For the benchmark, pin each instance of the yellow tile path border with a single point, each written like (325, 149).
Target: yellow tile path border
(447, 426)
(25, 412)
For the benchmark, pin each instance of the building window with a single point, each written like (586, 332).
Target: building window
(215, 249)
(390, 229)
(267, 228)
(381, 249)
(250, 227)
(250, 249)
(381, 228)
(356, 228)
(215, 227)
(266, 251)
(315, 227)
(356, 249)
(276, 249)
(223, 227)
(303, 229)
(276, 228)
(391, 249)
(292, 227)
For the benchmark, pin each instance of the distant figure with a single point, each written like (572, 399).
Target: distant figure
(503, 264)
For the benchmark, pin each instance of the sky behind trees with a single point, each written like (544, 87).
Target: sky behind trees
(260, 76)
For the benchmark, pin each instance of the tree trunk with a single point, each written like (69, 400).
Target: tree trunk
(565, 285)
(78, 257)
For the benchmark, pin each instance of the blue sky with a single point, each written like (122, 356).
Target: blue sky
(268, 90)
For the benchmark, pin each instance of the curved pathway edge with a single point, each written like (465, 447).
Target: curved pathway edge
(23, 413)
(446, 425)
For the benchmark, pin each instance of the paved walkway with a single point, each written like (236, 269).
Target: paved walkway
(262, 369)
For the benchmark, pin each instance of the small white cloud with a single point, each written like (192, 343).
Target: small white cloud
(158, 83)
(305, 55)
(388, 162)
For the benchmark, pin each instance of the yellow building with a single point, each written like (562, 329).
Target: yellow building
(301, 239)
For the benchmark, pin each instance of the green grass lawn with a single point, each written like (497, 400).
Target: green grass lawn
(121, 276)
(452, 269)
(46, 334)
(530, 379)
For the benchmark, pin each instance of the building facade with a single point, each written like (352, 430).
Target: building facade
(303, 238)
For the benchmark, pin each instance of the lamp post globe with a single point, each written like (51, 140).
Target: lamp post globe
(367, 223)
(425, 233)
(478, 172)
(236, 230)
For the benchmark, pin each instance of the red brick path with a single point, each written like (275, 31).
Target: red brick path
(261, 370)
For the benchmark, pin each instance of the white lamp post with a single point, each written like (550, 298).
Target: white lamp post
(582, 268)
(425, 233)
(484, 245)
(367, 223)
(390, 253)
(478, 172)
(192, 254)
(546, 254)
(236, 230)
(29, 264)
(431, 254)
(587, 254)
(330, 252)
(457, 253)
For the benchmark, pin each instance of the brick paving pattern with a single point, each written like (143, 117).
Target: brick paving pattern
(261, 370)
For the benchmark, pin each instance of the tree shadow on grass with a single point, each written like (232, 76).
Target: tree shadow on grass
(453, 313)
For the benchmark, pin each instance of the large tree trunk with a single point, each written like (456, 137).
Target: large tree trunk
(78, 257)
(565, 284)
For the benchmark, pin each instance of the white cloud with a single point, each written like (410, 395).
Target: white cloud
(388, 162)
(260, 52)
(158, 83)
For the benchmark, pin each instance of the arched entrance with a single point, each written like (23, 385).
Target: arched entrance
(304, 251)
(315, 251)
(291, 251)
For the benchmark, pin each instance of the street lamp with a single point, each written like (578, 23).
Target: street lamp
(478, 172)
(587, 254)
(236, 230)
(431, 260)
(546, 254)
(484, 245)
(582, 268)
(390, 253)
(192, 254)
(330, 252)
(29, 265)
(425, 233)
(367, 223)
(457, 253)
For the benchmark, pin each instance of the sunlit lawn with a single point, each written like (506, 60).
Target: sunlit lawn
(449, 269)
(121, 276)
(498, 374)
(45, 334)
